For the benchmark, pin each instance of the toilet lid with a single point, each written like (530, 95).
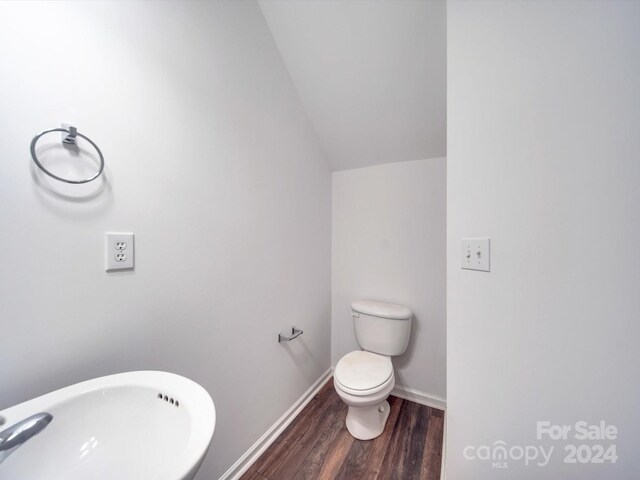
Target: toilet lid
(362, 370)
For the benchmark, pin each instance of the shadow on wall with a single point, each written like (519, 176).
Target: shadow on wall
(299, 352)
(97, 194)
(96, 357)
(405, 359)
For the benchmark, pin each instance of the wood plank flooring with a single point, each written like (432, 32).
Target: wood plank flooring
(317, 445)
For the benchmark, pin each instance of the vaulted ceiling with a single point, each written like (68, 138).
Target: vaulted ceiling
(371, 75)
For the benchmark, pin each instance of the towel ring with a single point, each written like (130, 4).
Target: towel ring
(70, 139)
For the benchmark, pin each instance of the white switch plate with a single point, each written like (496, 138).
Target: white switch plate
(120, 251)
(475, 254)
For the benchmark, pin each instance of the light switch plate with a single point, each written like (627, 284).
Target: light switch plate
(120, 251)
(474, 254)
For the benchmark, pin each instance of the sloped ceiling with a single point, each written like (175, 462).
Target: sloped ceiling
(371, 75)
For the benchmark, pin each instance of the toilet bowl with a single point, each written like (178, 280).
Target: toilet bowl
(364, 378)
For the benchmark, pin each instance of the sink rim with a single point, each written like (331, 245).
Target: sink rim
(193, 398)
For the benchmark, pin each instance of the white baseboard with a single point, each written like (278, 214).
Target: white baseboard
(254, 452)
(420, 397)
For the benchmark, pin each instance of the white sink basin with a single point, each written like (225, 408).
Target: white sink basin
(118, 427)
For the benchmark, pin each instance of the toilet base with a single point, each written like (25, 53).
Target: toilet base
(366, 423)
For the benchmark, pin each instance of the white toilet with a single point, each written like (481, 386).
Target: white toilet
(364, 378)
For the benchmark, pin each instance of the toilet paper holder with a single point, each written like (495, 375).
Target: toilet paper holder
(295, 333)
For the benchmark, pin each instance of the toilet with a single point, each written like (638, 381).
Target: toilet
(364, 378)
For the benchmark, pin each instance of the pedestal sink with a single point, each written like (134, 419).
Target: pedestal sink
(129, 426)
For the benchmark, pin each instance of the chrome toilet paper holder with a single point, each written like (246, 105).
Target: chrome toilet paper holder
(295, 333)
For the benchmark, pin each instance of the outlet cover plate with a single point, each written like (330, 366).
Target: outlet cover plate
(474, 254)
(120, 252)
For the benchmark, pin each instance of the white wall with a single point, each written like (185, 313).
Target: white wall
(210, 161)
(389, 244)
(543, 115)
(372, 75)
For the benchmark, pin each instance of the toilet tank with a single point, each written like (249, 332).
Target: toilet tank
(382, 328)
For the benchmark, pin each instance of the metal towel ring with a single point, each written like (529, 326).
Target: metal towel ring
(70, 139)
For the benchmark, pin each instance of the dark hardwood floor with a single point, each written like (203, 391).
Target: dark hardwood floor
(317, 445)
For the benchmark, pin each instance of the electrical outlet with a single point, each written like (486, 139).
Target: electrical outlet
(475, 254)
(120, 251)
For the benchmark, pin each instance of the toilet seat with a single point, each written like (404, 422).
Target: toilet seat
(363, 373)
